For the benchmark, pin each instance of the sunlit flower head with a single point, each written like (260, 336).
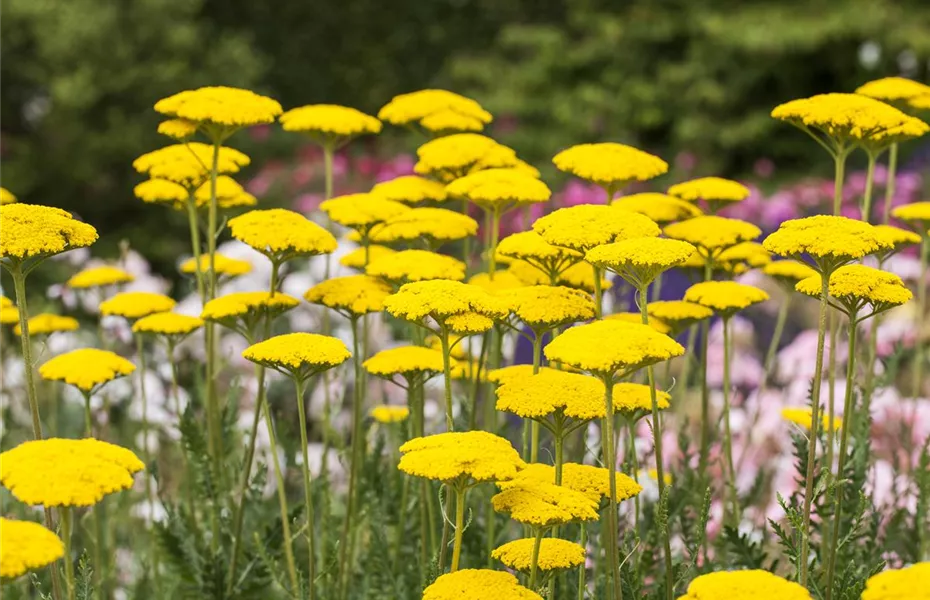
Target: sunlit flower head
(435, 226)
(637, 317)
(661, 208)
(529, 246)
(219, 110)
(99, 277)
(539, 504)
(224, 266)
(26, 546)
(49, 323)
(855, 286)
(358, 258)
(634, 399)
(298, 354)
(362, 211)
(802, 417)
(172, 325)
(537, 396)
(744, 585)
(594, 347)
(788, 272)
(478, 584)
(679, 314)
(593, 482)
(830, 241)
(243, 311)
(434, 106)
(587, 225)
(908, 583)
(895, 236)
(33, 231)
(135, 305)
(510, 373)
(544, 307)
(187, 165)
(897, 91)
(178, 129)
(410, 189)
(499, 190)
(449, 121)
(916, 214)
(416, 265)
(725, 297)
(389, 414)
(281, 234)
(609, 165)
(715, 191)
(229, 194)
(352, 295)
(441, 299)
(711, 234)
(743, 256)
(469, 323)
(409, 361)
(329, 123)
(554, 554)
(6, 196)
(470, 455)
(9, 315)
(87, 368)
(453, 156)
(640, 261)
(503, 280)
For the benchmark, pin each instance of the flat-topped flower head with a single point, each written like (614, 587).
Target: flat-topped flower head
(449, 121)
(435, 226)
(554, 554)
(352, 295)
(897, 91)
(179, 130)
(830, 241)
(857, 286)
(544, 307)
(86, 369)
(634, 399)
(58, 472)
(410, 189)
(503, 375)
(416, 265)
(99, 277)
(678, 314)
(608, 164)
(537, 396)
(717, 192)
(6, 196)
(744, 585)
(224, 266)
(172, 325)
(281, 234)
(909, 583)
(606, 348)
(26, 546)
(502, 281)
(478, 584)
(229, 194)
(329, 123)
(362, 211)
(220, 110)
(9, 315)
(725, 297)
(469, 323)
(640, 261)
(661, 208)
(34, 231)
(357, 258)
(916, 214)
(895, 236)
(788, 272)
(464, 456)
(711, 234)
(587, 225)
(579, 276)
(243, 311)
(743, 256)
(441, 299)
(593, 482)
(529, 246)
(453, 156)
(161, 191)
(802, 417)
(498, 190)
(48, 323)
(540, 504)
(298, 354)
(186, 164)
(389, 414)
(413, 107)
(408, 361)
(5, 302)
(637, 317)
(135, 305)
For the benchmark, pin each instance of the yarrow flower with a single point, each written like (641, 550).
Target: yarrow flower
(502, 281)
(405, 360)
(637, 317)
(432, 225)
(609, 165)
(358, 258)
(469, 323)
(434, 106)
(554, 554)
(633, 398)
(802, 417)
(34, 231)
(219, 109)
(661, 208)
(593, 482)
(530, 247)
(281, 234)
(59, 472)
(362, 211)
(725, 297)
(389, 414)
(6, 196)
(897, 91)
(715, 191)
(169, 324)
(99, 277)
(186, 165)
(26, 546)
(640, 261)
(917, 214)
(48, 323)
(744, 256)
(351, 296)
(537, 396)
(135, 305)
(441, 299)
(579, 276)
(87, 368)
(855, 286)
(9, 314)
(540, 504)
(470, 455)
(299, 354)
(544, 307)
(410, 189)
(244, 311)
(788, 272)
(229, 194)
(678, 314)
(416, 265)
(223, 266)
(895, 236)
(478, 584)
(909, 583)
(830, 241)
(329, 123)
(744, 585)
(585, 226)
(177, 129)
(498, 190)
(453, 156)
(711, 234)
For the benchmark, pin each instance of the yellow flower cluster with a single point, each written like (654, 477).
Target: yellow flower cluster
(30, 230)
(859, 283)
(177, 129)
(640, 261)
(98, 277)
(389, 414)
(241, 304)
(229, 194)
(825, 237)
(633, 397)
(9, 314)
(281, 233)
(331, 120)
(295, 352)
(361, 211)
(584, 226)
(469, 323)
(476, 455)
(529, 246)
(450, 121)
(435, 225)
(168, 323)
(222, 265)
(226, 107)
(803, 418)
(410, 189)
(86, 368)
(916, 213)
(637, 317)
(437, 107)
(712, 233)
(554, 554)
(416, 265)
(500, 189)
(405, 360)
(6, 196)
(678, 313)
(356, 259)
(542, 504)
(894, 90)
(896, 237)
(743, 256)
(478, 584)
(503, 281)
(135, 305)
(661, 208)
(48, 323)
(710, 189)
(536, 396)
(454, 156)
(26, 546)
(441, 299)
(58, 472)
(352, 295)
(725, 297)
(788, 271)
(504, 375)
(609, 164)
(544, 307)
(593, 482)
(593, 347)
(909, 583)
(579, 276)
(744, 585)
(187, 164)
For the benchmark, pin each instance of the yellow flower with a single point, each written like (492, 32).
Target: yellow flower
(135, 305)
(679, 314)
(220, 107)
(26, 546)
(449, 121)
(502, 281)
(469, 323)
(537, 396)
(6, 196)
(87, 368)
(298, 354)
(30, 230)
(636, 317)
(725, 297)
(478, 584)
(909, 583)
(751, 254)
(545, 307)
(915, 213)
(58, 472)
(585, 226)
(5, 302)
(857, 285)
(410, 189)
(596, 347)
(187, 164)
(9, 315)
(828, 239)
(661, 208)
(499, 190)
(362, 211)
(712, 234)
(389, 414)
(713, 190)
(554, 554)
(281, 234)
(229, 194)
(353, 295)
(434, 225)
(441, 299)
(168, 324)
(640, 261)
(99, 276)
(161, 191)
(177, 129)
(609, 164)
(802, 418)
(48, 323)
(242, 311)
(593, 482)
(454, 156)
(505, 375)
(629, 398)
(223, 265)
(788, 271)
(405, 360)
(413, 107)
(581, 277)
(744, 585)
(357, 258)
(530, 247)
(896, 237)
(416, 265)
(329, 123)
(896, 91)
(541, 504)
(470, 455)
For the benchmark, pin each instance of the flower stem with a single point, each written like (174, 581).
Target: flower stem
(88, 421)
(775, 343)
(598, 293)
(607, 445)
(920, 348)
(534, 565)
(193, 222)
(733, 513)
(583, 540)
(705, 392)
(534, 425)
(146, 454)
(634, 465)
(308, 493)
(459, 528)
(67, 522)
(890, 184)
(493, 235)
(346, 549)
(19, 285)
(213, 414)
(867, 195)
(447, 372)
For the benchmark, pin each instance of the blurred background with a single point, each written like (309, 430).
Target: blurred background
(690, 80)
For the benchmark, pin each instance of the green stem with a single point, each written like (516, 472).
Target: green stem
(346, 549)
(839, 160)
(459, 528)
(19, 285)
(867, 195)
(634, 465)
(88, 421)
(476, 383)
(466, 243)
(705, 392)
(583, 541)
(67, 526)
(213, 415)
(534, 565)
(193, 221)
(657, 288)
(534, 425)
(775, 343)
(890, 184)
(447, 372)
(733, 513)
(598, 293)
(494, 233)
(146, 454)
(308, 493)
(444, 542)
(607, 445)
(689, 357)
(922, 286)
